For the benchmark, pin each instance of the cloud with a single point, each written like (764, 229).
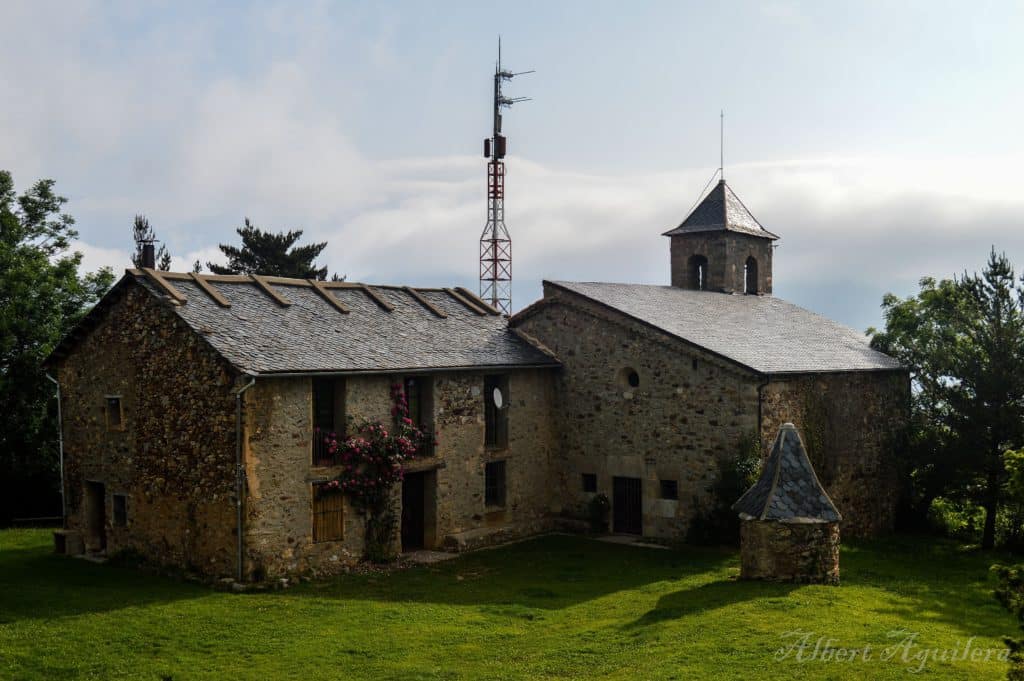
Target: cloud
(169, 131)
(96, 257)
(845, 228)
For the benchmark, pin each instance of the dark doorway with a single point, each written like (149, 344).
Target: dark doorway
(627, 509)
(96, 515)
(414, 507)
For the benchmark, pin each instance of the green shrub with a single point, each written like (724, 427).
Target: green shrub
(597, 511)
(1010, 592)
(715, 523)
(961, 520)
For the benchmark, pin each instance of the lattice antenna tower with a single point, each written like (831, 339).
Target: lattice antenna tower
(495, 242)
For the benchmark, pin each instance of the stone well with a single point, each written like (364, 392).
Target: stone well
(789, 529)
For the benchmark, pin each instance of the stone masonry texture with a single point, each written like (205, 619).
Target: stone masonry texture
(692, 408)
(689, 410)
(805, 553)
(174, 458)
(628, 401)
(281, 474)
(727, 253)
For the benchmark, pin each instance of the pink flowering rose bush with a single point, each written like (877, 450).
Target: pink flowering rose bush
(372, 460)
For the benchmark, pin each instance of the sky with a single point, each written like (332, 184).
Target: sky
(881, 140)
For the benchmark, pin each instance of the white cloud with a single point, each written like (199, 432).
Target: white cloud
(95, 257)
(154, 132)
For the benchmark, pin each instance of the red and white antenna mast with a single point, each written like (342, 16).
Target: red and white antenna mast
(495, 242)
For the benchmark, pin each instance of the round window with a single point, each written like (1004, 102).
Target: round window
(629, 378)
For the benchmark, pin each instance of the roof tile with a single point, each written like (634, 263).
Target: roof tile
(764, 333)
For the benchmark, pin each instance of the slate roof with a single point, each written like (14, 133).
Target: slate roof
(259, 335)
(721, 210)
(763, 333)
(788, 489)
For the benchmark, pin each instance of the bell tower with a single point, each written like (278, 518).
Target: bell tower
(721, 247)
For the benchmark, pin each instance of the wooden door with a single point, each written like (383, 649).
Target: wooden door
(96, 514)
(627, 506)
(413, 511)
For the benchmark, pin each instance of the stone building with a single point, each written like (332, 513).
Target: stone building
(192, 405)
(789, 529)
(184, 394)
(660, 383)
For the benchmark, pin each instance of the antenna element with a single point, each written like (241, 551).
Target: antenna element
(721, 146)
(495, 242)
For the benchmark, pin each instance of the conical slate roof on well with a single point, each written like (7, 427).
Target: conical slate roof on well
(721, 210)
(788, 489)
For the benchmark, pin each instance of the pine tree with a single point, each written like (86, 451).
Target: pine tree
(271, 253)
(142, 232)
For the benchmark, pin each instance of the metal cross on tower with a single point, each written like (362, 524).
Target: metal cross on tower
(495, 242)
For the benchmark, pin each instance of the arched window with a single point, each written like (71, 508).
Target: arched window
(750, 276)
(699, 272)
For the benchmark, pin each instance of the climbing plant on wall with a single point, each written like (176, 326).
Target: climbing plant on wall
(372, 461)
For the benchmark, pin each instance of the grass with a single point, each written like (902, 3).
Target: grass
(553, 607)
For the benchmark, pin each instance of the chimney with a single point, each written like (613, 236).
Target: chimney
(149, 255)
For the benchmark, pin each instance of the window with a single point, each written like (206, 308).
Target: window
(629, 378)
(120, 510)
(699, 272)
(669, 489)
(694, 364)
(419, 393)
(327, 514)
(589, 482)
(496, 402)
(494, 483)
(115, 412)
(328, 416)
(750, 276)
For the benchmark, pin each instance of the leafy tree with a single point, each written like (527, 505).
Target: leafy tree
(963, 340)
(142, 233)
(41, 297)
(271, 253)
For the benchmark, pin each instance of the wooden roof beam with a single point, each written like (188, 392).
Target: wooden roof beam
(209, 290)
(319, 287)
(466, 302)
(424, 302)
(376, 297)
(477, 300)
(277, 297)
(176, 296)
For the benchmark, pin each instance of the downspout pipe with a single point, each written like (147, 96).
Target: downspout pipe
(240, 478)
(60, 450)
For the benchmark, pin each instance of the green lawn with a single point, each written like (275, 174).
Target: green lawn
(554, 607)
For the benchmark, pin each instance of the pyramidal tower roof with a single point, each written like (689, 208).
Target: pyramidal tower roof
(788, 489)
(721, 210)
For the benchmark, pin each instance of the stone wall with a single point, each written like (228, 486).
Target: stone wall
(789, 552)
(690, 410)
(849, 423)
(727, 254)
(174, 457)
(279, 431)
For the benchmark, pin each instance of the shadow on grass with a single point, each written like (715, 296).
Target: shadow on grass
(711, 596)
(547, 573)
(37, 584)
(924, 581)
